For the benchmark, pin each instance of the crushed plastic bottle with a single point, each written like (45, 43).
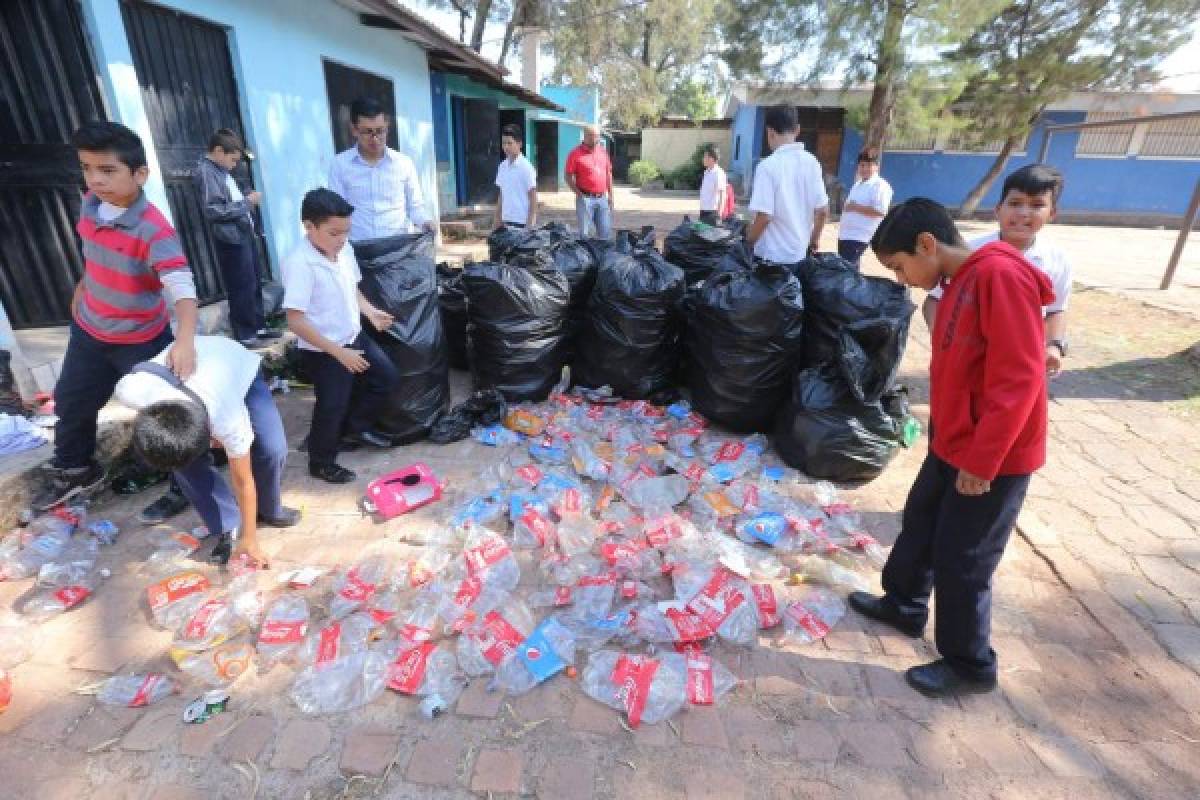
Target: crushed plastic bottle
(61, 587)
(213, 622)
(220, 666)
(342, 685)
(494, 638)
(545, 652)
(283, 629)
(337, 639)
(811, 615)
(487, 557)
(172, 550)
(658, 493)
(358, 585)
(646, 689)
(135, 691)
(425, 670)
(174, 600)
(815, 569)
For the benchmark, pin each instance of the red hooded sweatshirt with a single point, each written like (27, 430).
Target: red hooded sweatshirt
(988, 375)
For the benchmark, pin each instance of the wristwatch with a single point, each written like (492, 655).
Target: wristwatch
(1061, 344)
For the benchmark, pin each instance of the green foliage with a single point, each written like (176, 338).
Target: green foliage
(635, 55)
(692, 99)
(689, 174)
(642, 172)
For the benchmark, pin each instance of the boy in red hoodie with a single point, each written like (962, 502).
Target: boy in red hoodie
(988, 436)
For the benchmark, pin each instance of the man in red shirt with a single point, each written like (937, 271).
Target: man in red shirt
(589, 174)
(988, 430)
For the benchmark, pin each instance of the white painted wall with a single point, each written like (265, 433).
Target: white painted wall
(670, 148)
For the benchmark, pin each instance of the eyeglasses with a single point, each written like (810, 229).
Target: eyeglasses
(372, 133)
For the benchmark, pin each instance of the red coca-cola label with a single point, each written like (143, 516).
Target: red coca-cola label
(719, 598)
(382, 615)
(482, 557)
(632, 676)
(541, 528)
(355, 589)
(197, 627)
(327, 644)
(661, 434)
(731, 451)
(629, 589)
(276, 631)
(571, 502)
(603, 579)
(750, 498)
(660, 533)
(415, 633)
(595, 413)
(175, 588)
(811, 623)
(407, 672)
(562, 595)
(530, 473)
(694, 472)
(689, 627)
(71, 596)
(615, 552)
(768, 605)
(142, 696)
(498, 639)
(699, 679)
(468, 591)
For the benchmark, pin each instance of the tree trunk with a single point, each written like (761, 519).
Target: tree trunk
(481, 17)
(888, 60)
(508, 31)
(975, 196)
(647, 34)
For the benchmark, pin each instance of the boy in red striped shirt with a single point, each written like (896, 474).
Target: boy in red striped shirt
(133, 263)
(987, 388)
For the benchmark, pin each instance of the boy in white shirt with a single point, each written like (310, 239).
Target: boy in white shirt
(517, 181)
(1028, 200)
(227, 401)
(351, 374)
(788, 197)
(713, 187)
(869, 199)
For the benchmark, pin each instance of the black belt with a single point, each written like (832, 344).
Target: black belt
(596, 195)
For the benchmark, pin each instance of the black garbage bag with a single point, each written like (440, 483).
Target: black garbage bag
(516, 328)
(697, 248)
(555, 245)
(453, 302)
(835, 295)
(869, 355)
(630, 335)
(744, 337)
(828, 434)
(483, 408)
(399, 277)
(503, 239)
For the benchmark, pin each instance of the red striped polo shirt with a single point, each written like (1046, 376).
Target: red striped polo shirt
(122, 299)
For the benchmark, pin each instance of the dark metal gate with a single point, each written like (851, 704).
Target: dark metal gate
(48, 87)
(188, 88)
(546, 147)
(478, 148)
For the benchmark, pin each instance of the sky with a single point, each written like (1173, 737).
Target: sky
(1181, 69)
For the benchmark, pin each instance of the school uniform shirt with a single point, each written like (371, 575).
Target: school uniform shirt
(386, 195)
(789, 187)
(874, 193)
(224, 372)
(515, 177)
(1044, 255)
(988, 373)
(714, 181)
(326, 291)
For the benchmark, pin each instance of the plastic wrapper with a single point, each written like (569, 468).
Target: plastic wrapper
(343, 685)
(283, 629)
(135, 691)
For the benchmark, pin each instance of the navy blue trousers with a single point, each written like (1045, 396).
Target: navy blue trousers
(243, 287)
(951, 544)
(346, 403)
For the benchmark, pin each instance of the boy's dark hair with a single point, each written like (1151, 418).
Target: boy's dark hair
(782, 119)
(321, 204)
(365, 107)
(171, 434)
(868, 156)
(712, 151)
(227, 140)
(898, 231)
(512, 132)
(100, 136)
(1034, 179)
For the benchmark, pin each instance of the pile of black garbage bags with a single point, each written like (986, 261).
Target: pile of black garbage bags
(808, 352)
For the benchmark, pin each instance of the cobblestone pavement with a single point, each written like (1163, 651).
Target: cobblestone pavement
(1096, 610)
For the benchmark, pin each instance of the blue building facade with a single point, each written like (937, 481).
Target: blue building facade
(1097, 184)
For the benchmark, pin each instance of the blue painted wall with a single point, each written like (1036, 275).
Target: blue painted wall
(747, 139)
(582, 104)
(277, 54)
(1100, 184)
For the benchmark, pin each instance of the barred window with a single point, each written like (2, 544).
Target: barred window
(967, 142)
(1105, 141)
(912, 140)
(1172, 137)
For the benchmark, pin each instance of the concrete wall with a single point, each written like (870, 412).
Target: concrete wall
(277, 51)
(1094, 184)
(669, 148)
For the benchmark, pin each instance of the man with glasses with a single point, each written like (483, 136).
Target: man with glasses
(379, 182)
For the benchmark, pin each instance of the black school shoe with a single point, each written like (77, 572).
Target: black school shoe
(222, 550)
(939, 679)
(169, 505)
(286, 518)
(331, 473)
(60, 485)
(880, 610)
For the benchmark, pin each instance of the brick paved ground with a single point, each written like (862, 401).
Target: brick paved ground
(1096, 612)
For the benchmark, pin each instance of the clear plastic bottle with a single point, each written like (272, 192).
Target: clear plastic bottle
(425, 670)
(283, 629)
(61, 587)
(172, 550)
(214, 621)
(548, 650)
(494, 637)
(220, 666)
(359, 583)
(134, 691)
(659, 493)
(488, 557)
(811, 614)
(175, 599)
(816, 569)
(343, 685)
(646, 689)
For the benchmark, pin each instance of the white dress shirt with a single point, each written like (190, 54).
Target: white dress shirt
(789, 187)
(874, 193)
(714, 181)
(386, 195)
(326, 291)
(515, 177)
